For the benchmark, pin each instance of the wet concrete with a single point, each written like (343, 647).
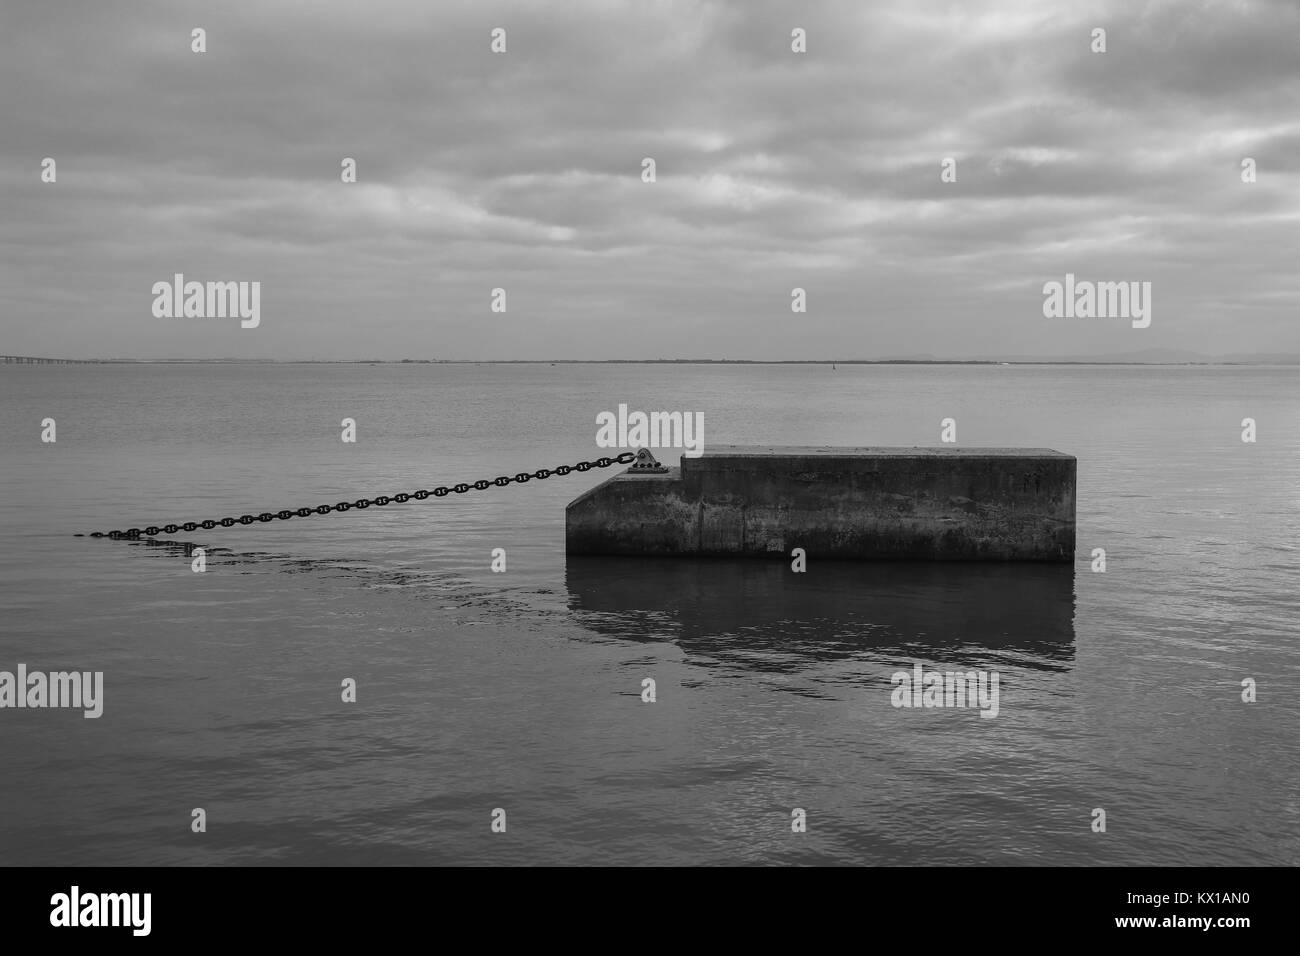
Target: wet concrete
(938, 503)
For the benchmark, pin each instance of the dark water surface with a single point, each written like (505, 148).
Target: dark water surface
(522, 690)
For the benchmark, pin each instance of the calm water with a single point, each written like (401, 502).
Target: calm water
(522, 690)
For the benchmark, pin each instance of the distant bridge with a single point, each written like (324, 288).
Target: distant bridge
(32, 360)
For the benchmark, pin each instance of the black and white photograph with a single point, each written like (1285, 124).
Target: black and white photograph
(691, 434)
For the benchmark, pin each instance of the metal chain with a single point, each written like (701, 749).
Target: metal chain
(481, 485)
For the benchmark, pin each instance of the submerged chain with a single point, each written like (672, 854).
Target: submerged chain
(441, 491)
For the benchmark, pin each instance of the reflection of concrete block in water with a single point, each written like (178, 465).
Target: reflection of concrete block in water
(950, 611)
(944, 503)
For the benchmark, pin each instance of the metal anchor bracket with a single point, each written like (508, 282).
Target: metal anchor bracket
(645, 462)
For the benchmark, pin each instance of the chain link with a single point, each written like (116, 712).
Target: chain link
(625, 458)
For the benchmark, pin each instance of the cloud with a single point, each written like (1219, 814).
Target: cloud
(522, 170)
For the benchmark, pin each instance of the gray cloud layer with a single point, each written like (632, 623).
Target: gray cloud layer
(522, 170)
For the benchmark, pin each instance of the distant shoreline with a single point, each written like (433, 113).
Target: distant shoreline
(1286, 361)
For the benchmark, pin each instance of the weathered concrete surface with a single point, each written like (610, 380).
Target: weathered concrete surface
(939, 503)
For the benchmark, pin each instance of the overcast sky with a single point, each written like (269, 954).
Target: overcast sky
(523, 171)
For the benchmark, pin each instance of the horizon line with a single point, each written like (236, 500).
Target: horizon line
(230, 360)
